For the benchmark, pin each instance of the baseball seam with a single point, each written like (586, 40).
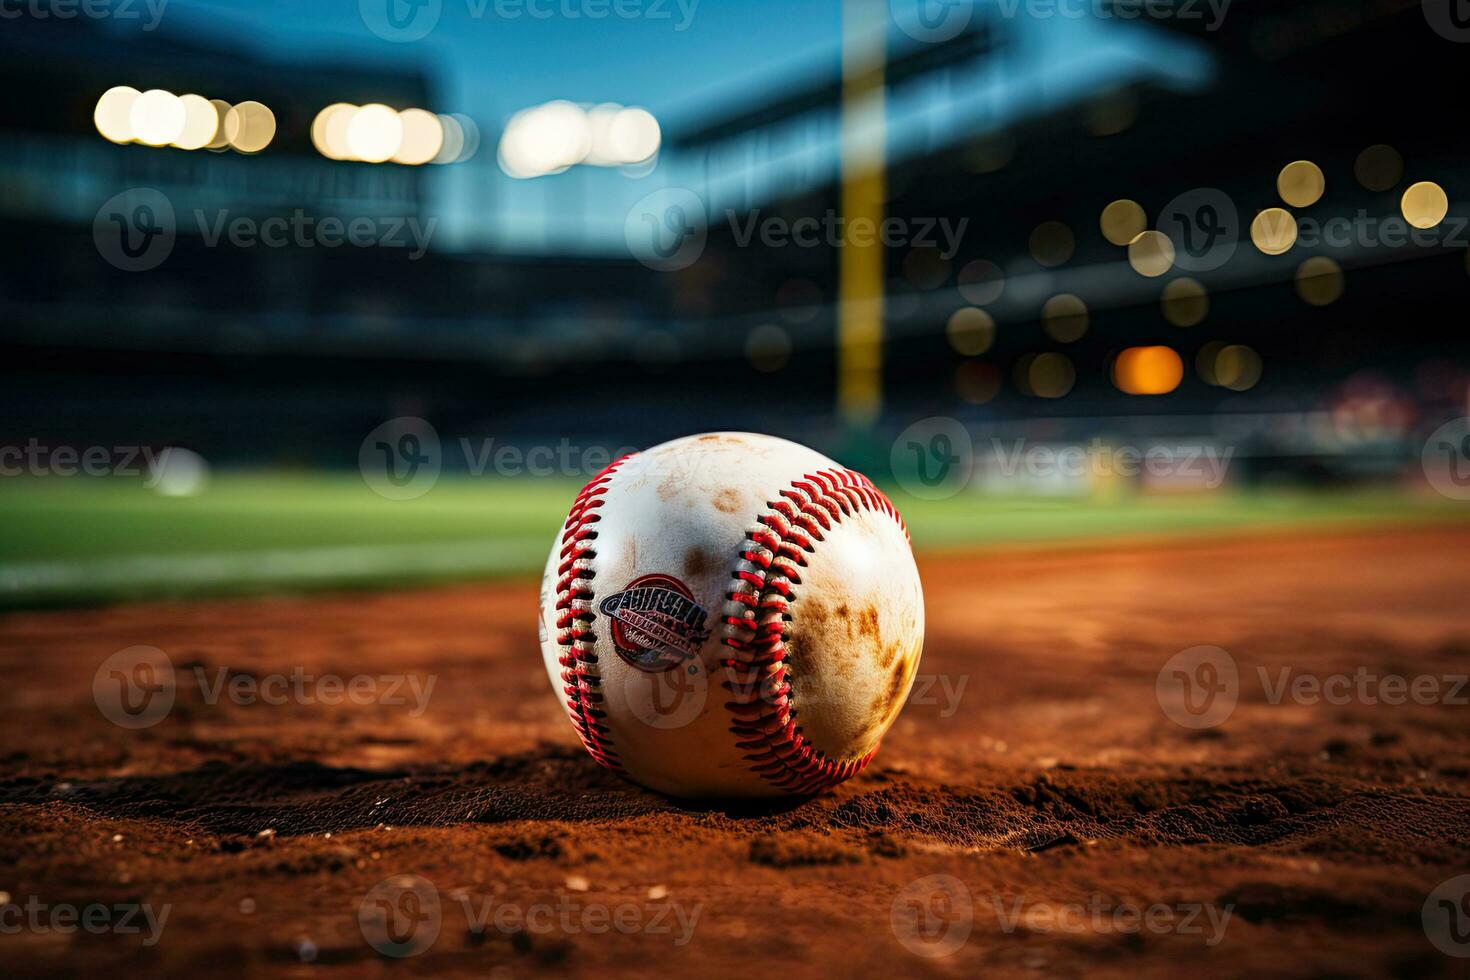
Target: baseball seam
(575, 608)
(757, 618)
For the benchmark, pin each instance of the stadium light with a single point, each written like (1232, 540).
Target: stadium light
(159, 118)
(555, 136)
(377, 133)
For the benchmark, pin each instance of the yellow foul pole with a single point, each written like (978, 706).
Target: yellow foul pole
(860, 272)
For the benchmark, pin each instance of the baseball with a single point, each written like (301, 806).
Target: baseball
(731, 614)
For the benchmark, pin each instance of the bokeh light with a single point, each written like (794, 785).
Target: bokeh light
(1151, 254)
(201, 123)
(1301, 184)
(157, 117)
(1274, 231)
(925, 268)
(250, 127)
(550, 138)
(1379, 167)
(1153, 370)
(1425, 204)
(329, 131)
(1237, 367)
(423, 137)
(970, 331)
(374, 133)
(977, 382)
(1122, 221)
(1113, 114)
(1064, 318)
(1204, 361)
(220, 142)
(113, 114)
(1185, 302)
(469, 138)
(1051, 243)
(1048, 375)
(633, 137)
(1319, 281)
(981, 281)
(768, 348)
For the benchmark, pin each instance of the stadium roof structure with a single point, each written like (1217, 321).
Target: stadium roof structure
(747, 141)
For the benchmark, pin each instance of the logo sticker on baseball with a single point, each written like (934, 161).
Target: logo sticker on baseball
(656, 624)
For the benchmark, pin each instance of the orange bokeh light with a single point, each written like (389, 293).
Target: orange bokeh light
(1148, 371)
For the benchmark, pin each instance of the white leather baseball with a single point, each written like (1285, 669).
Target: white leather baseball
(732, 614)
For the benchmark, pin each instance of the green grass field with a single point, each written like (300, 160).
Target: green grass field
(85, 540)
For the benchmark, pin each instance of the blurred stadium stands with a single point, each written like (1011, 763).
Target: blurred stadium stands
(529, 319)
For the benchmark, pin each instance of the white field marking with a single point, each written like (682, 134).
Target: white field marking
(482, 555)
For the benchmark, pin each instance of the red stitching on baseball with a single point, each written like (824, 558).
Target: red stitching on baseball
(772, 554)
(581, 681)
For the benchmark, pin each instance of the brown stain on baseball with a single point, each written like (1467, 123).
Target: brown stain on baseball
(889, 702)
(697, 562)
(727, 501)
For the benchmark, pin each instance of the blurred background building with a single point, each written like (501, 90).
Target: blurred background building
(1078, 196)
